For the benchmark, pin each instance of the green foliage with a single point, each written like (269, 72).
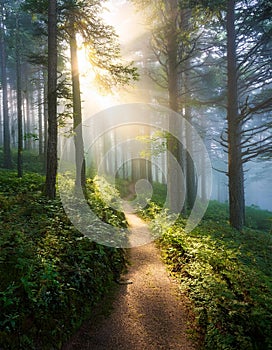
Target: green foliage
(258, 219)
(103, 200)
(159, 193)
(255, 217)
(227, 275)
(51, 276)
(217, 211)
(100, 187)
(122, 185)
(10, 184)
(32, 162)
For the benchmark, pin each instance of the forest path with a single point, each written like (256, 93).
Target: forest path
(149, 314)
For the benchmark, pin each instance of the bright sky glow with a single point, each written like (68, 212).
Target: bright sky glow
(84, 65)
(129, 26)
(127, 22)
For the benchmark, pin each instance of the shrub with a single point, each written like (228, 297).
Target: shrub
(51, 276)
(227, 275)
(232, 298)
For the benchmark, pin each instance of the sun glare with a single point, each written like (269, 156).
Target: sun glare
(84, 65)
(128, 25)
(127, 22)
(92, 100)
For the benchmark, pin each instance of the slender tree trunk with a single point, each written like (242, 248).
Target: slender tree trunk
(191, 183)
(52, 163)
(77, 113)
(173, 145)
(40, 116)
(19, 103)
(45, 113)
(191, 188)
(235, 165)
(28, 140)
(203, 162)
(1, 120)
(12, 112)
(185, 87)
(7, 152)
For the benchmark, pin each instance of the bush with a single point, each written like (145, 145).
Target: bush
(51, 276)
(233, 301)
(227, 274)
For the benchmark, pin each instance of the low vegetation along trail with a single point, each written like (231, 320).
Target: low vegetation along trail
(148, 311)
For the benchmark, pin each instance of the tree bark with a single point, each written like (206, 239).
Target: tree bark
(7, 151)
(235, 164)
(77, 113)
(45, 113)
(40, 116)
(1, 123)
(51, 169)
(173, 145)
(19, 103)
(191, 181)
(28, 94)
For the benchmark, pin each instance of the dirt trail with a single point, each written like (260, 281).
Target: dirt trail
(149, 314)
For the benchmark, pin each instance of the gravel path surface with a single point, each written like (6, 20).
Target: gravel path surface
(149, 314)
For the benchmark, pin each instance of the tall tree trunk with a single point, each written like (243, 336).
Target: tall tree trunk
(28, 141)
(19, 102)
(40, 115)
(77, 113)
(1, 122)
(52, 163)
(173, 145)
(45, 113)
(7, 152)
(185, 87)
(203, 163)
(191, 182)
(191, 186)
(235, 165)
(12, 112)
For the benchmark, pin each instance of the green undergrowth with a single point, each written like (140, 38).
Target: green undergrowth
(256, 218)
(125, 188)
(52, 277)
(32, 161)
(227, 274)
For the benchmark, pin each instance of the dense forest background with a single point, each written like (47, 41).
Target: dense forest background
(189, 57)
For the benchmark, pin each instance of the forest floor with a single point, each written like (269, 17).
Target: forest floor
(148, 312)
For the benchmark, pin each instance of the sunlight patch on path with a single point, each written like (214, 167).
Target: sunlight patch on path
(140, 234)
